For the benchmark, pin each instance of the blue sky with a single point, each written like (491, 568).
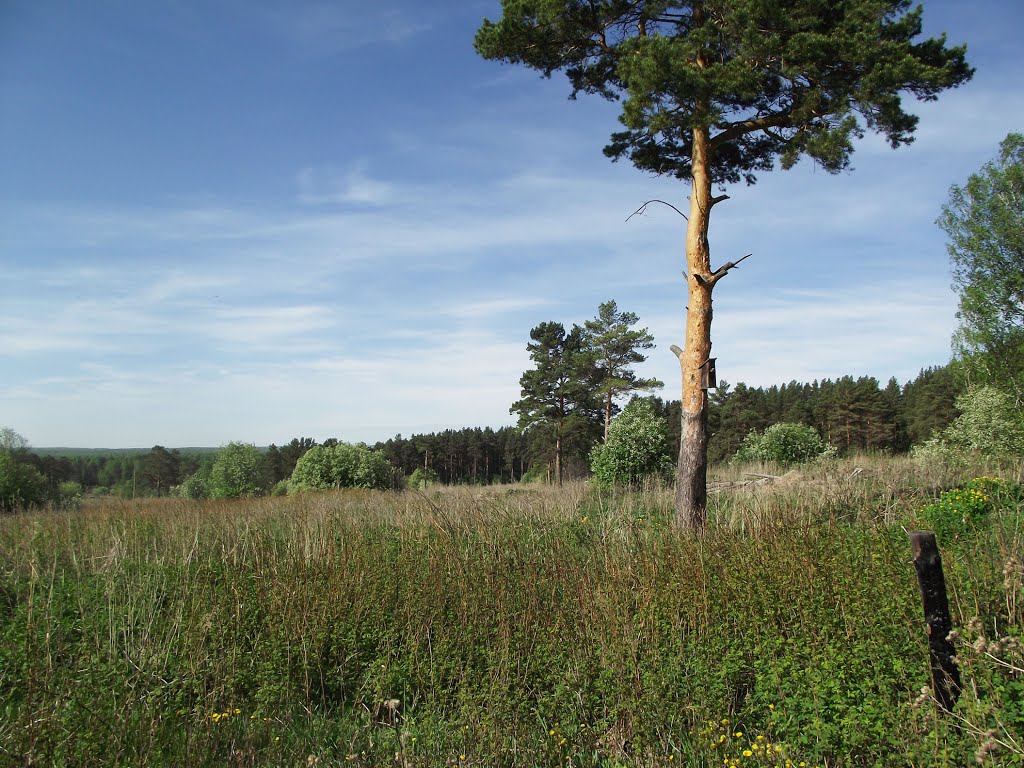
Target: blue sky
(257, 220)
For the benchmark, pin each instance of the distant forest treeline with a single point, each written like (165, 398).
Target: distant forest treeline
(851, 414)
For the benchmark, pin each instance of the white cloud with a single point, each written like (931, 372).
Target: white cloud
(353, 187)
(886, 328)
(266, 327)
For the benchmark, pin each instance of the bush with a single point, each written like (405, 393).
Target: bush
(194, 487)
(341, 466)
(784, 443)
(421, 478)
(636, 449)
(990, 423)
(237, 472)
(21, 484)
(69, 495)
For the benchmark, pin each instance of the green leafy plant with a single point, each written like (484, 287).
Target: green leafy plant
(21, 484)
(990, 423)
(991, 710)
(237, 472)
(984, 220)
(636, 449)
(194, 487)
(784, 443)
(421, 478)
(69, 495)
(341, 466)
(968, 507)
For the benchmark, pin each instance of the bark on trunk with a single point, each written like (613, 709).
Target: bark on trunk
(691, 472)
(558, 455)
(607, 414)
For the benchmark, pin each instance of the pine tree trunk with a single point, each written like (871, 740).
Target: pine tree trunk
(607, 414)
(558, 456)
(691, 472)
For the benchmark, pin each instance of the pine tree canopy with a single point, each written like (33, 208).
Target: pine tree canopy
(768, 79)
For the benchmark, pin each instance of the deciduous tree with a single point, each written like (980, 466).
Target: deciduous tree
(341, 465)
(11, 440)
(21, 484)
(714, 91)
(237, 472)
(984, 220)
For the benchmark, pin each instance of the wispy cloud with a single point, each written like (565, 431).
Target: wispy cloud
(324, 28)
(353, 187)
(883, 328)
(478, 310)
(467, 378)
(266, 327)
(369, 219)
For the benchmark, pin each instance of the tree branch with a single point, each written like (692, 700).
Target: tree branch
(735, 130)
(643, 208)
(723, 270)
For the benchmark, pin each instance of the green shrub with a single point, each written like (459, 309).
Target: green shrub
(194, 487)
(636, 449)
(990, 423)
(69, 495)
(237, 472)
(784, 443)
(21, 484)
(342, 466)
(537, 473)
(421, 478)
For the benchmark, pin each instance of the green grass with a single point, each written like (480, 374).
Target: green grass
(505, 627)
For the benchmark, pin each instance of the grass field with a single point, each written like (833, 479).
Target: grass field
(515, 626)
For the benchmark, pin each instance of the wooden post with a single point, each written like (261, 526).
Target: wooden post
(928, 563)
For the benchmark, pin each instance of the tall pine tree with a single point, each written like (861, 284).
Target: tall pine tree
(714, 91)
(615, 346)
(557, 393)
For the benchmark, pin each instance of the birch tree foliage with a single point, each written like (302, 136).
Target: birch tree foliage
(984, 220)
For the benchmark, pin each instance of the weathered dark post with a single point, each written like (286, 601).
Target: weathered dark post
(928, 563)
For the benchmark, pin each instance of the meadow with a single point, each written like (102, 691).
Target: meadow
(517, 626)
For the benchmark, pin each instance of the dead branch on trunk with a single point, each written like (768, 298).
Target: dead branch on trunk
(643, 208)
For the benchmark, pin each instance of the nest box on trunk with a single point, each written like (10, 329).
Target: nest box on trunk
(708, 374)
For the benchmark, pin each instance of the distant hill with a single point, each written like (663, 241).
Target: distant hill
(112, 451)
